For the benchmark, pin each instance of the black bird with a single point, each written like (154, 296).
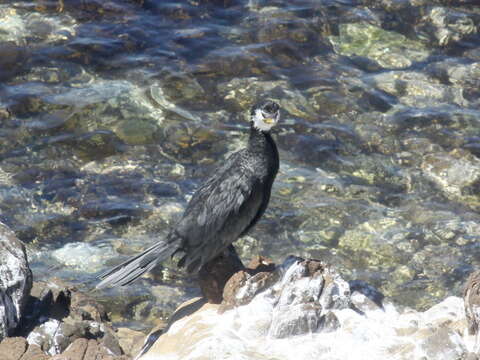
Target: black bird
(224, 208)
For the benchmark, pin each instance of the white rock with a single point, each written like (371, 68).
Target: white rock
(375, 333)
(15, 280)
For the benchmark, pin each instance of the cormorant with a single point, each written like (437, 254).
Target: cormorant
(224, 208)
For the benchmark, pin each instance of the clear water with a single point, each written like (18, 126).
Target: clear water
(112, 113)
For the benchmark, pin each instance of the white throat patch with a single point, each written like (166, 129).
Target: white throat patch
(259, 121)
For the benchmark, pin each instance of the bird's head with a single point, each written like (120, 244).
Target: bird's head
(265, 115)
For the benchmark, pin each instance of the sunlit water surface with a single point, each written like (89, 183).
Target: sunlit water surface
(112, 113)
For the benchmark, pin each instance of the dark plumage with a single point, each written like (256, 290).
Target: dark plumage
(224, 208)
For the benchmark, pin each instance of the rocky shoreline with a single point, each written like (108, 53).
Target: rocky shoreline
(53, 320)
(259, 311)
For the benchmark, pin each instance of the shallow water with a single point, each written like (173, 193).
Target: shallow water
(113, 112)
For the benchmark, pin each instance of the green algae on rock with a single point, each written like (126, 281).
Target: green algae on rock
(390, 49)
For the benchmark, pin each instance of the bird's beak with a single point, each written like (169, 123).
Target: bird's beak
(269, 121)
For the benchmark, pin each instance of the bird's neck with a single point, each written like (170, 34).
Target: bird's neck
(258, 139)
(263, 148)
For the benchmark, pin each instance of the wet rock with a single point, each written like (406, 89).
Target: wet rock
(446, 26)
(456, 173)
(62, 301)
(283, 36)
(53, 337)
(12, 60)
(308, 292)
(353, 139)
(242, 93)
(214, 275)
(145, 303)
(88, 110)
(225, 63)
(15, 281)
(380, 242)
(177, 87)
(308, 288)
(416, 89)
(242, 286)
(83, 257)
(80, 349)
(193, 142)
(17, 348)
(34, 28)
(463, 75)
(332, 102)
(389, 49)
(365, 297)
(135, 132)
(295, 320)
(59, 315)
(442, 323)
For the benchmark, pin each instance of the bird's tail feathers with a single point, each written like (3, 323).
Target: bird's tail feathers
(136, 266)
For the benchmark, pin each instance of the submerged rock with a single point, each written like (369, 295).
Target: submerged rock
(456, 173)
(417, 90)
(15, 281)
(445, 26)
(83, 256)
(389, 49)
(244, 92)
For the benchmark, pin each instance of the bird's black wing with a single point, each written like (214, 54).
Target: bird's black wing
(220, 210)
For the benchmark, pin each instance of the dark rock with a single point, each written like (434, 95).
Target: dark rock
(328, 322)
(444, 26)
(12, 59)
(57, 300)
(238, 280)
(260, 264)
(60, 315)
(299, 297)
(15, 281)
(372, 298)
(241, 288)
(295, 320)
(214, 275)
